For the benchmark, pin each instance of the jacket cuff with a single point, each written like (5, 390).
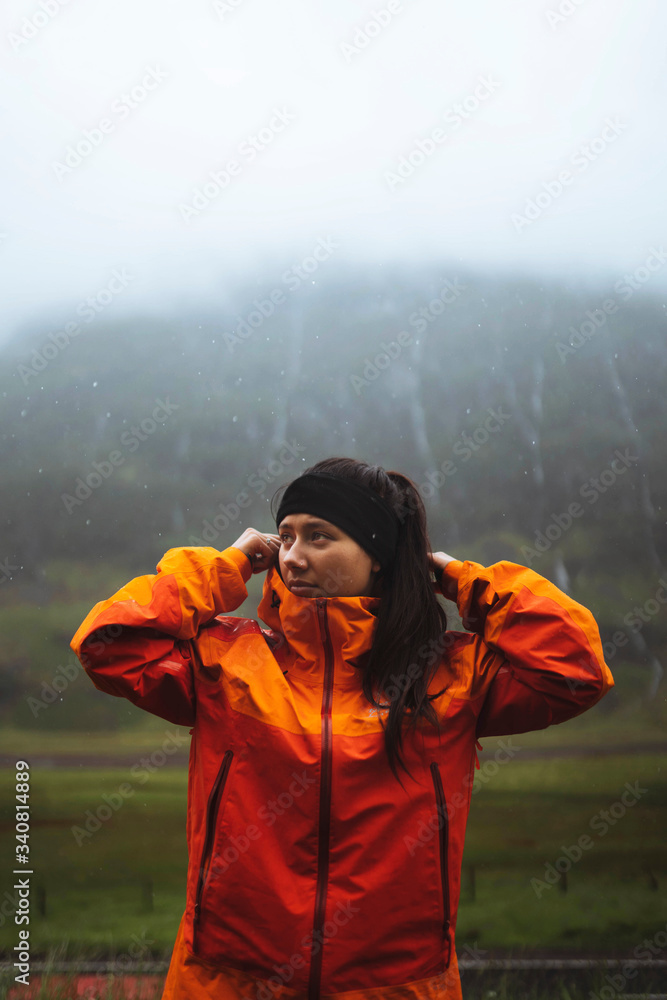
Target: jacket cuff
(243, 561)
(450, 579)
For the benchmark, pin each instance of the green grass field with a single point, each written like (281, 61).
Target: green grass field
(126, 883)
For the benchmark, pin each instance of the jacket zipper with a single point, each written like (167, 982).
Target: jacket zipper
(325, 805)
(211, 816)
(443, 828)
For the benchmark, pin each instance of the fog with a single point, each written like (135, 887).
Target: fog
(242, 236)
(509, 138)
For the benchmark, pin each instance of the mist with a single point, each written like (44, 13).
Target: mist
(197, 146)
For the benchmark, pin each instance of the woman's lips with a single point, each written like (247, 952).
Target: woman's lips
(298, 585)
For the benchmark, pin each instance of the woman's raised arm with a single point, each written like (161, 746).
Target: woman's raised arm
(136, 644)
(541, 660)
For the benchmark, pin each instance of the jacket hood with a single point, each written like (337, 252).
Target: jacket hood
(350, 623)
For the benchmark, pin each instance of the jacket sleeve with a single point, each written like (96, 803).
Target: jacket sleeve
(539, 659)
(137, 644)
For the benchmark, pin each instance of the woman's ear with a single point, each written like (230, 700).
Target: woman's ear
(375, 568)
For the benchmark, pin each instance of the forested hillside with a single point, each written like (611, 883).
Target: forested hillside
(532, 415)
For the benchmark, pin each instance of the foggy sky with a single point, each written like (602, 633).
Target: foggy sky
(523, 94)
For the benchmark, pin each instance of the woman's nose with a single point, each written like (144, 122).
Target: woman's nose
(294, 556)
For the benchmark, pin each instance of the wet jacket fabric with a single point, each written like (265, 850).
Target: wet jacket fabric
(312, 872)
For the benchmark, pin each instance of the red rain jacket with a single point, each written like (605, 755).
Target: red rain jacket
(312, 872)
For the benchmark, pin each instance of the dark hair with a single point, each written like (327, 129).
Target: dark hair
(410, 621)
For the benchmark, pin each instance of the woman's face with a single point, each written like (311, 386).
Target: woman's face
(317, 559)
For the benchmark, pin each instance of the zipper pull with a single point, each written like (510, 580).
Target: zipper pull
(478, 746)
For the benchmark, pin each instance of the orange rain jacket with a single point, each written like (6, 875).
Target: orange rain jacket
(312, 872)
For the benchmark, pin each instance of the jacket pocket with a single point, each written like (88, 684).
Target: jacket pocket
(443, 831)
(211, 818)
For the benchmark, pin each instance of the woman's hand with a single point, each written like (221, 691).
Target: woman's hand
(438, 561)
(261, 549)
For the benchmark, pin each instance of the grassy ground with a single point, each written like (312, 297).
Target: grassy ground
(55, 743)
(117, 888)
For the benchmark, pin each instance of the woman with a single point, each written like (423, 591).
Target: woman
(314, 868)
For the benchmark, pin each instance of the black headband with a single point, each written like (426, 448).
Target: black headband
(358, 510)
